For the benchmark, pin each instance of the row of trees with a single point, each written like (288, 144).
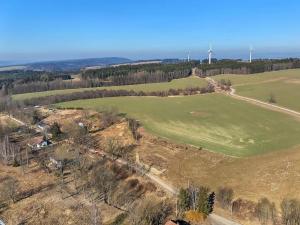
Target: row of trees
(109, 93)
(20, 81)
(264, 210)
(126, 74)
(57, 84)
(239, 67)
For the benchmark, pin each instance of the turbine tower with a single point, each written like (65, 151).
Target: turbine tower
(188, 58)
(209, 54)
(250, 54)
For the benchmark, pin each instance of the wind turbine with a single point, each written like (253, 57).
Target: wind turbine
(188, 58)
(210, 51)
(250, 53)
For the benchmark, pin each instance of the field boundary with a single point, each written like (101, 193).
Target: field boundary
(260, 103)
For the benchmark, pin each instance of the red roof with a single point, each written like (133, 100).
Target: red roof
(170, 222)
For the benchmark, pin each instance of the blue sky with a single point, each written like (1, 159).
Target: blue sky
(58, 29)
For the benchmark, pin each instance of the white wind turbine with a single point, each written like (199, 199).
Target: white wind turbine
(250, 53)
(188, 58)
(210, 51)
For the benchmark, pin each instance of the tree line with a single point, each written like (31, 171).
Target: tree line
(20, 81)
(201, 200)
(6, 103)
(239, 67)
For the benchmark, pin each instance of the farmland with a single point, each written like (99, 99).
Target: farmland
(175, 84)
(283, 85)
(215, 122)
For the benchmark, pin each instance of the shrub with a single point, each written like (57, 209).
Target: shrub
(119, 219)
(272, 99)
(195, 216)
(55, 130)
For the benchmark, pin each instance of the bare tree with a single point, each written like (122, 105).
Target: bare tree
(265, 211)
(149, 211)
(10, 188)
(290, 209)
(225, 196)
(105, 182)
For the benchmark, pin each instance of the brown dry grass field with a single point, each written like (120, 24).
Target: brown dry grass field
(274, 175)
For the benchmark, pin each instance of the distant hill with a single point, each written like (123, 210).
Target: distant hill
(76, 64)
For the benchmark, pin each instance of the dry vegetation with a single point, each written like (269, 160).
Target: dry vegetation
(34, 194)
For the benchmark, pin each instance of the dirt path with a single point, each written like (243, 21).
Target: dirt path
(18, 121)
(213, 218)
(266, 105)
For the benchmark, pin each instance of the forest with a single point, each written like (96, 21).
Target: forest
(18, 82)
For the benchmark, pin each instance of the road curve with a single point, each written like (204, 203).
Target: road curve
(270, 106)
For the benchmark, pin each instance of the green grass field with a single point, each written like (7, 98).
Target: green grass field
(175, 84)
(284, 85)
(215, 122)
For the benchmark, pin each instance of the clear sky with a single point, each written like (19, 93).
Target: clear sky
(57, 29)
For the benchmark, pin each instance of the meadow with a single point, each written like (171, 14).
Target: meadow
(283, 85)
(215, 122)
(175, 84)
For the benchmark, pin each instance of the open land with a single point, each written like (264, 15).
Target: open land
(214, 121)
(283, 85)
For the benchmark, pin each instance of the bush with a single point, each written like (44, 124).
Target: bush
(119, 219)
(272, 99)
(184, 200)
(195, 216)
(55, 130)
(16, 163)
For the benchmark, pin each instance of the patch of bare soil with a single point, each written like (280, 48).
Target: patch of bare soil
(119, 132)
(292, 81)
(5, 121)
(199, 113)
(90, 119)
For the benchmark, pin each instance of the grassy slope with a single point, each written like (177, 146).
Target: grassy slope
(175, 84)
(216, 122)
(284, 85)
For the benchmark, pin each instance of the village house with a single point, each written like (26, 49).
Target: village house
(176, 222)
(37, 143)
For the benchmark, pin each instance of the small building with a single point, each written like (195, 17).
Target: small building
(177, 222)
(56, 163)
(37, 143)
(42, 126)
(43, 144)
(170, 222)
